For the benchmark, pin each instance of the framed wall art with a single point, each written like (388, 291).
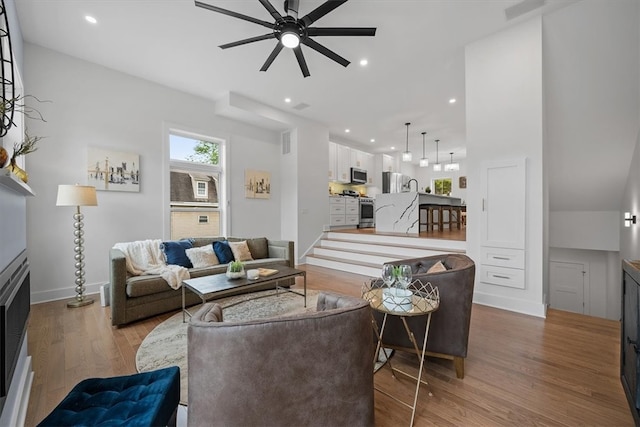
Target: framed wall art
(109, 170)
(257, 184)
(462, 182)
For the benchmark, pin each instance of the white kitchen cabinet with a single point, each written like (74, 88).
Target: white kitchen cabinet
(337, 210)
(352, 208)
(343, 163)
(368, 164)
(503, 186)
(388, 163)
(343, 211)
(333, 161)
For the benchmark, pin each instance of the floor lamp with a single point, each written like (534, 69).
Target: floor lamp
(78, 195)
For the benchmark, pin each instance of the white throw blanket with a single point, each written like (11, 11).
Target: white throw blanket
(144, 257)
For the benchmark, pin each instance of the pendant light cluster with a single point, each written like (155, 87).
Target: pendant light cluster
(406, 156)
(424, 161)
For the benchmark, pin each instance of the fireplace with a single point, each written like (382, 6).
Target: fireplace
(15, 302)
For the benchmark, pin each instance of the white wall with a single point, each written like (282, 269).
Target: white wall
(585, 230)
(505, 121)
(95, 106)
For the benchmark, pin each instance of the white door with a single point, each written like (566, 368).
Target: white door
(566, 283)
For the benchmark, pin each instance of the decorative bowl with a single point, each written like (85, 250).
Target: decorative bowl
(237, 275)
(253, 274)
(397, 299)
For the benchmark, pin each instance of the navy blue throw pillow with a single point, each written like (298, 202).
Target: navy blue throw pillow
(223, 251)
(174, 252)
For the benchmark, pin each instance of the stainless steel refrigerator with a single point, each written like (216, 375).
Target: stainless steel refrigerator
(393, 182)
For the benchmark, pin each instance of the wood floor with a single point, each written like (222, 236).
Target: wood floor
(521, 370)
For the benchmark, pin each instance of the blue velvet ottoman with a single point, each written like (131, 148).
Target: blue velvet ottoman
(145, 399)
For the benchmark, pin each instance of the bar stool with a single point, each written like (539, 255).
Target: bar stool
(458, 216)
(445, 208)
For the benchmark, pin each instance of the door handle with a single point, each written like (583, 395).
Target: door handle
(634, 343)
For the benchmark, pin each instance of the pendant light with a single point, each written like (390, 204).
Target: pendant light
(437, 167)
(406, 156)
(424, 161)
(452, 166)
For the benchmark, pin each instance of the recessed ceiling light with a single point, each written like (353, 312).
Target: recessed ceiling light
(364, 62)
(347, 130)
(372, 140)
(287, 100)
(91, 19)
(452, 101)
(393, 148)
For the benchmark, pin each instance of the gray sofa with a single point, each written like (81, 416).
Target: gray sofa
(137, 297)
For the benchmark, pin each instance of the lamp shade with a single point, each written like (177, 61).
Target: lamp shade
(76, 195)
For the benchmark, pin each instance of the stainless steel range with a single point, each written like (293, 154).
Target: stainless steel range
(367, 212)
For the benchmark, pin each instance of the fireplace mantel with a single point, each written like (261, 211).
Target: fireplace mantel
(10, 181)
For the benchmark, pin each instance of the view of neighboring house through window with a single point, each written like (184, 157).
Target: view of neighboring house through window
(194, 182)
(442, 186)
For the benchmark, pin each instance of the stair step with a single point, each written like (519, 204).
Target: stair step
(366, 253)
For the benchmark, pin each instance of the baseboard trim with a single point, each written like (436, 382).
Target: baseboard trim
(66, 293)
(510, 304)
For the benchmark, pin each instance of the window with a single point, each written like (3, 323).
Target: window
(201, 189)
(194, 186)
(442, 186)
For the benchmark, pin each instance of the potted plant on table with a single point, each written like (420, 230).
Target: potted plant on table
(235, 270)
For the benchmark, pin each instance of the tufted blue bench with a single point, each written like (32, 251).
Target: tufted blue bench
(145, 399)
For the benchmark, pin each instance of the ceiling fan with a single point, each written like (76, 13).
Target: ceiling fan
(291, 31)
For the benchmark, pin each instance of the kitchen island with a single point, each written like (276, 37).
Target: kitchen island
(400, 212)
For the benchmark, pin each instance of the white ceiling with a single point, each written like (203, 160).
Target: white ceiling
(416, 59)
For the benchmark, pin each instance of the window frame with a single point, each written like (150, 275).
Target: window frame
(218, 171)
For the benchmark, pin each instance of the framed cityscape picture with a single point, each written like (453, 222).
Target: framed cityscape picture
(109, 170)
(257, 184)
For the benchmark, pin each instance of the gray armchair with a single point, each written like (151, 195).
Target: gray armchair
(449, 329)
(311, 369)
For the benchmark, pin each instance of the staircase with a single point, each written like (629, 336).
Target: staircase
(365, 253)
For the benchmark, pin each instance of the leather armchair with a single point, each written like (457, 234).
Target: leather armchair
(310, 369)
(449, 329)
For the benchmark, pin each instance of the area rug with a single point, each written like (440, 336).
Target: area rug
(166, 344)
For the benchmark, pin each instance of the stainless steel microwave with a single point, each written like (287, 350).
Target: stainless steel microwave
(358, 176)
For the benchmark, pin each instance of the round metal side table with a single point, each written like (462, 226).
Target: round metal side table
(417, 300)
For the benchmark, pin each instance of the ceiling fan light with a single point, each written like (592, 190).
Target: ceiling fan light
(424, 162)
(290, 39)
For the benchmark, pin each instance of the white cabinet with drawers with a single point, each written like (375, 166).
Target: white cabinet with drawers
(502, 250)
(352, 214)
(343, 211)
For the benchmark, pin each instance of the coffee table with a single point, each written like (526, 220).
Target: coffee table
(209, 287)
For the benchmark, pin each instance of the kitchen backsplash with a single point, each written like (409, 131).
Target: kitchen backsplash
(336, 188)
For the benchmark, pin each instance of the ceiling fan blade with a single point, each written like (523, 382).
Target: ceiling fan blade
(321, 10)
(272, 10)
(249, 40)
(234, 14)
(271, 57)
(341, 31)
(301, 61)
(326, 52)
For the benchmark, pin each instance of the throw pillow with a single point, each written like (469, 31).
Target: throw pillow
(437, 268)
(223, 251)
(259, 247)
(202, 256)
(241, 251)
(174, 252)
